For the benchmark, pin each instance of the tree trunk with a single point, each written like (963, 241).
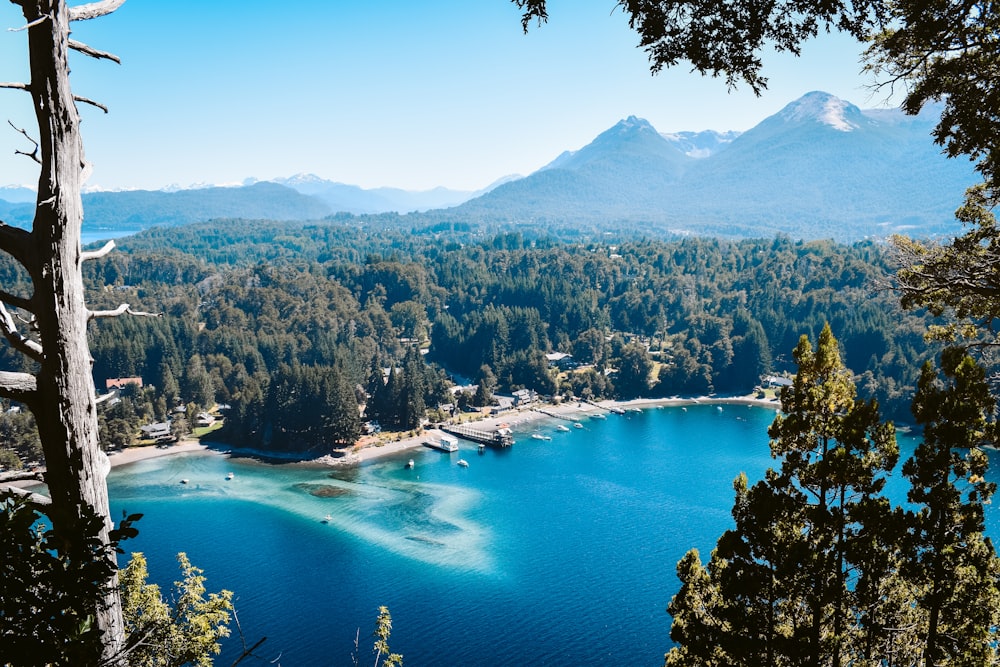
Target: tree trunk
(64, 405)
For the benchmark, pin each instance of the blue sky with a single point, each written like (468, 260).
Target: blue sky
(379, 92)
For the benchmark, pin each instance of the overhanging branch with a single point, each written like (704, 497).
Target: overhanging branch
(94, 10)
(14, 84)
(92, 52)
(91, 102)
(120, 310)
(20, 343)
(18, 386)
(16, 301)
(16, 242)
(97, 254)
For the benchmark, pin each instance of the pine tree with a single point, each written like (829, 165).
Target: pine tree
(954, 567)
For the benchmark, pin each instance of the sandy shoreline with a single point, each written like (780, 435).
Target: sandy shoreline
(359, 455)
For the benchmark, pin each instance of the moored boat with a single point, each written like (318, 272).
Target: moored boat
(463, 463)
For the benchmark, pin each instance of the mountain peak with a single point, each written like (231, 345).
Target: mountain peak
(825, 109)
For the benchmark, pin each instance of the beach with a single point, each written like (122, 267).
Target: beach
(372, 449)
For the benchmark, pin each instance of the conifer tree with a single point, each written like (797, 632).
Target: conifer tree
(780, 584)
(954, 566)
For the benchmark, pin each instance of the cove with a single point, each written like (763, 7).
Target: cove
(557, 551)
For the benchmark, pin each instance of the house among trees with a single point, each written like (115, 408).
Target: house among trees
(157, 431)
(118, 383)
(776, 381)
(524, 397)
(561, 360)
(203, 419)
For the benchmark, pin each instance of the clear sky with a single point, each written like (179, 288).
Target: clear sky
(403, 93)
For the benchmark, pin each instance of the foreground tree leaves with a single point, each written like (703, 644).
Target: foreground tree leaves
(820, 568)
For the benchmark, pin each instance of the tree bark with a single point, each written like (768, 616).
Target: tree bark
(64, 404)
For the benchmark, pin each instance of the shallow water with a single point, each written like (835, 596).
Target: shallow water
(552, 552)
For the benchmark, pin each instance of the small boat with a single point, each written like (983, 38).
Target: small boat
(577, 425)
(230, 476)
(482, 448)
(634, 410)
(327, 519)
(560, 427)
(463, 463)
(719, 408)
(410, 463)
(539, 436)
(184, 481)
(598, 415)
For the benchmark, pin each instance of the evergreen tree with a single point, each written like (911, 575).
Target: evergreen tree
(784, 576)
(954, 566)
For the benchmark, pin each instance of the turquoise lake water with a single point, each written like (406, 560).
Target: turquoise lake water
(557, 552)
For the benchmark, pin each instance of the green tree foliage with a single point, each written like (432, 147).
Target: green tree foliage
(163, 636)
(954, 566)
(820, 568)
(781, 584)
(48, 605)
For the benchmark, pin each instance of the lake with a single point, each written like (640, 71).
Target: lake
(552, 552)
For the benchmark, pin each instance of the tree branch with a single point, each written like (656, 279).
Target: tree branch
(94, 10)
(40, 20)
(120, 310)
(16, 301)
(36, 499)
(16, 242)
(97, 254)
(18, 386)
(34, 153)
(20, 343)
(15, 85)
(92, 52)
(91, 102)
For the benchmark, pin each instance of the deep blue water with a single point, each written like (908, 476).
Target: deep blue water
(558, 552)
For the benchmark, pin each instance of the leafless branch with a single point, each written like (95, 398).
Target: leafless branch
(247, 652)
(97, 254)
(14, 84)
(34, 153)
(38, 21)
(18, 386)
(16, 242)
(35, 499)
(94, 10)
(104, 399)
(120, 310)
(92, 52)
(20, 343)
(91, 102)
(16, 301)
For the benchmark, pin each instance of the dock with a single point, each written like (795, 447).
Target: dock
(609, 408)
(502, 437)
(556, 415)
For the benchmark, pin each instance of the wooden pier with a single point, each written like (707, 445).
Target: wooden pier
(502, 437)
(609, 408)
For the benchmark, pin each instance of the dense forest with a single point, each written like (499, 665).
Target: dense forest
(305, 330)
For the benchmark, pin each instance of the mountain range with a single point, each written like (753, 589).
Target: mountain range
(819, 168)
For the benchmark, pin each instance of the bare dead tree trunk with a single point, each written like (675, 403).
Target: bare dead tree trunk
(62, 396)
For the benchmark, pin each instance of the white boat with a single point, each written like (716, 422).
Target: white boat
(410, 463)
(463, 463)
(539, 436)
(560, 427)
(598, 415)
(230, 476)
(577, 425)
(634, 410)
(184, 481)
(327, 519)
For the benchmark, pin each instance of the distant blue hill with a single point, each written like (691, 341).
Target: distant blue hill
(819, 168)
